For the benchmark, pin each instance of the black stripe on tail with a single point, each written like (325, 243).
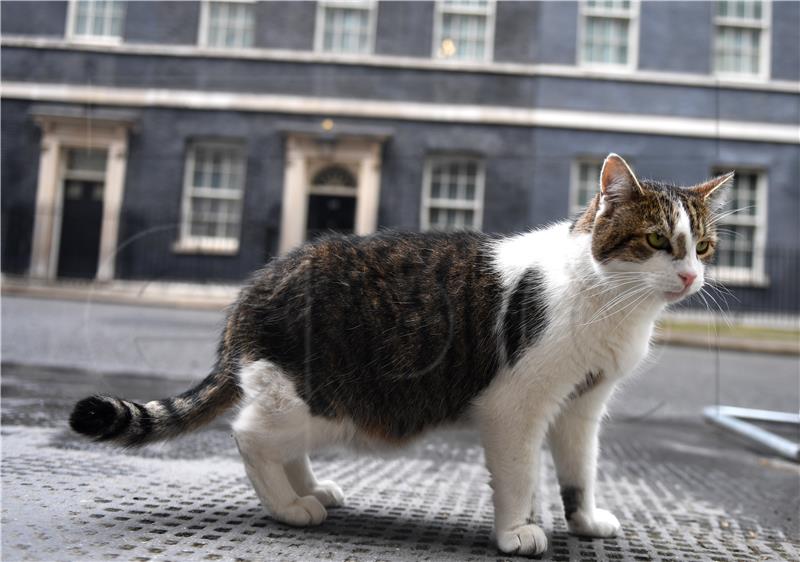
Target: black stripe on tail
(105, 418)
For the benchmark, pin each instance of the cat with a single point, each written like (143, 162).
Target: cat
(373, 340)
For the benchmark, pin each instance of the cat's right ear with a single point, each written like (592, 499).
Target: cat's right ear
(618, 183)
(710, 190)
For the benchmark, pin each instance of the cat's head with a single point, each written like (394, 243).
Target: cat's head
(653, 234)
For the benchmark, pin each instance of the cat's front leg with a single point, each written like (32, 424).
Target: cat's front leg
(573, 441)
(512, 457)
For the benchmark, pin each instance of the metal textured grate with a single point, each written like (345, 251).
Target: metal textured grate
(64, 499)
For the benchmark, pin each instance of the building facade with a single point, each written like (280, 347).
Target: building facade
(194, 140)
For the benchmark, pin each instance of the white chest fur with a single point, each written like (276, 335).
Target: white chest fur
(592, 327)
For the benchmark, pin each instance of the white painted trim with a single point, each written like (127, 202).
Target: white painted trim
(755, 275)
(202, 29)
(188, 243)
(475, 205)
(407, 111)
(440, 9)
(304, 159)
(58, 135)
(204, 22)
(574, 179)
(764, 49)
(633, 17)
(100, 41)
(319, 24)
(415, 63)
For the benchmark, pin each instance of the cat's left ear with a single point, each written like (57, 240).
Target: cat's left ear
(618, 183)
(710, 190)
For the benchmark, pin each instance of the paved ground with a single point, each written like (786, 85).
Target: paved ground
(682, 489)
(113, 339)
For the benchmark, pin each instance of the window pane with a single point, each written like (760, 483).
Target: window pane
(217, 169)
(463, 36)
(587, 184)
(735, 9)
(737, 49)
(736, 229)
(98, 18)
(606, 40)
(86, 160)
(454, 179)
(346, 30)
(230, 24)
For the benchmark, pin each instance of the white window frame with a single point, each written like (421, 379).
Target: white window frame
(475, 205)
(205, 21)
(441, 8)
(755, 275)
(319, 25)
(574, 184)
(188, 243)
(633, 17)
(764, 48)
(72, 14)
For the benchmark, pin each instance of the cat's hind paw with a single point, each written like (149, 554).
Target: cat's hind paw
(599, 524)
(328, 494)
(302, 512)
(526, 540)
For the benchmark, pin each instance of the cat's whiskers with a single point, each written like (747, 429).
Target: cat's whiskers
(719, 286)
(610, 281)
(720, 216)
(604, 287)
(621, 304)
(608, 308)
(633, 306)
(723, 314)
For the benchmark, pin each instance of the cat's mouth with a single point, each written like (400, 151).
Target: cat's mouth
(676, 295)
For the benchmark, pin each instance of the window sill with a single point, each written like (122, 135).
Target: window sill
(741, 78)
(98, 40)
(198, 247)
(601, 67)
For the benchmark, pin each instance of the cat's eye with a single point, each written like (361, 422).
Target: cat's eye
(702, 247)
(658, 241)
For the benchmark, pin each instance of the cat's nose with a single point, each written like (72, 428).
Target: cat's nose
(687, 278)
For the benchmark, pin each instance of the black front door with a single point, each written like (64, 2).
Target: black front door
(81, 219)
(330, 213)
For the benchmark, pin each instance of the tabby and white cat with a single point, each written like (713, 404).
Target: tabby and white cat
(373, 340)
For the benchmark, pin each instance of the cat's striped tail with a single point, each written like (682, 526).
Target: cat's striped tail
(129, 424)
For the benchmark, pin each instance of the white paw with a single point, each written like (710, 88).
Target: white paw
(328, 494)
(600, 524)
(527, 540)
(302, 512)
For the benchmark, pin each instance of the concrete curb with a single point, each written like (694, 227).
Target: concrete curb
(158, 294)
(778, 347)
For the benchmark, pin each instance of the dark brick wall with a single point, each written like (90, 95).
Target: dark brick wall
(164, 22)
(33, 18)
(18, 178)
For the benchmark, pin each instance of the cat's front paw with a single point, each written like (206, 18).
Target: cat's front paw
(527, 540)
(302, 512)
(599, 524)
(328, 494)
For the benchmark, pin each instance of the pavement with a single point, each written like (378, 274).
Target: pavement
(683, 490)
(685, 327)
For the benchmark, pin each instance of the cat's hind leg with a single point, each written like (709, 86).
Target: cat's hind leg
(273, 429)
(305, 483)
(267, 473)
